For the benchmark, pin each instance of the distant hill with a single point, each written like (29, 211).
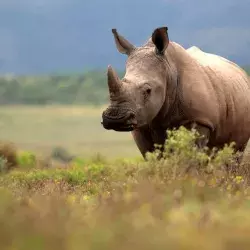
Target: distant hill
(57, 35)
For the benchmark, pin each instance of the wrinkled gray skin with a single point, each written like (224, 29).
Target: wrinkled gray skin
(166, 86)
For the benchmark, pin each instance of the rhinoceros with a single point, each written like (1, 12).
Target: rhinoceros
(166, 86)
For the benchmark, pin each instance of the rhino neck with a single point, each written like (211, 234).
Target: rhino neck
(172, 110)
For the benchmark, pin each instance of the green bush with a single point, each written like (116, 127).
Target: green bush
(182, 156)
(26, 159)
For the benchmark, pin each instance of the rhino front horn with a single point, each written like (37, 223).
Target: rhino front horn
(114, 82)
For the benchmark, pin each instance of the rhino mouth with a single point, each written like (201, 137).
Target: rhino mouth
(124, 128)
(124, 122)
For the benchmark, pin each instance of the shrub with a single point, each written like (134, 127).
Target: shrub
(181, 157)
(61, 154)
(8, 155)
(3, 165)
(26, 159)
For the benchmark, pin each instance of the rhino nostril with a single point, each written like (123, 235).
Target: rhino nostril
(131, 115)
(131, 118)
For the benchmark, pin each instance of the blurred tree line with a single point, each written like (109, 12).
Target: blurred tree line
(89, 88)
(86, 88)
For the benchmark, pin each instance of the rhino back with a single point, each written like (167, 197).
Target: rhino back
(216, 62)
(218, 91)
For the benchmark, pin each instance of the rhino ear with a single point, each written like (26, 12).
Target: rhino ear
(123, 45)
(160, 39)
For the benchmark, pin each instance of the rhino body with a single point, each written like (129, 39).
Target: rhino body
(166, 86)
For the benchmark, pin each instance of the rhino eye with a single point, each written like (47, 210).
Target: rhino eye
(148, 91)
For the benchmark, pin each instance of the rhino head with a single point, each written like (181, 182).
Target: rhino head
(136, 99)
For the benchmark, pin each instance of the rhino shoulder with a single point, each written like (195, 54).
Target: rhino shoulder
(194, 49)
(196, 52)
(211, 60)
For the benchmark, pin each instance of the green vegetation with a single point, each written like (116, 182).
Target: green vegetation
(188, 200)
(89, 88)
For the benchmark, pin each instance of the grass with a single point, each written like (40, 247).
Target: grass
(188, 200)
(75, 128)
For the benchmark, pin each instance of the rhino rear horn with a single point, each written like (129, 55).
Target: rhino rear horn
(114, 82)
(123, 45)
(160, 39)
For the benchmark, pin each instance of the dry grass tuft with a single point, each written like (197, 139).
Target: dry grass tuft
(8, 156)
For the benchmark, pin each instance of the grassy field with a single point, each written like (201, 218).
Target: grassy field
(189, 200)
(77, 129)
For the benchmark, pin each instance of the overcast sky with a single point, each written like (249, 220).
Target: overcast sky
(53, 35)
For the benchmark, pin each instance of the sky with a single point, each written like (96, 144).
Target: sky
(44, 36)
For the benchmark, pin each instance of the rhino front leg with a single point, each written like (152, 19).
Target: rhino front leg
(147, 138)
(143, 140)
(203, 131)
(244, 157)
